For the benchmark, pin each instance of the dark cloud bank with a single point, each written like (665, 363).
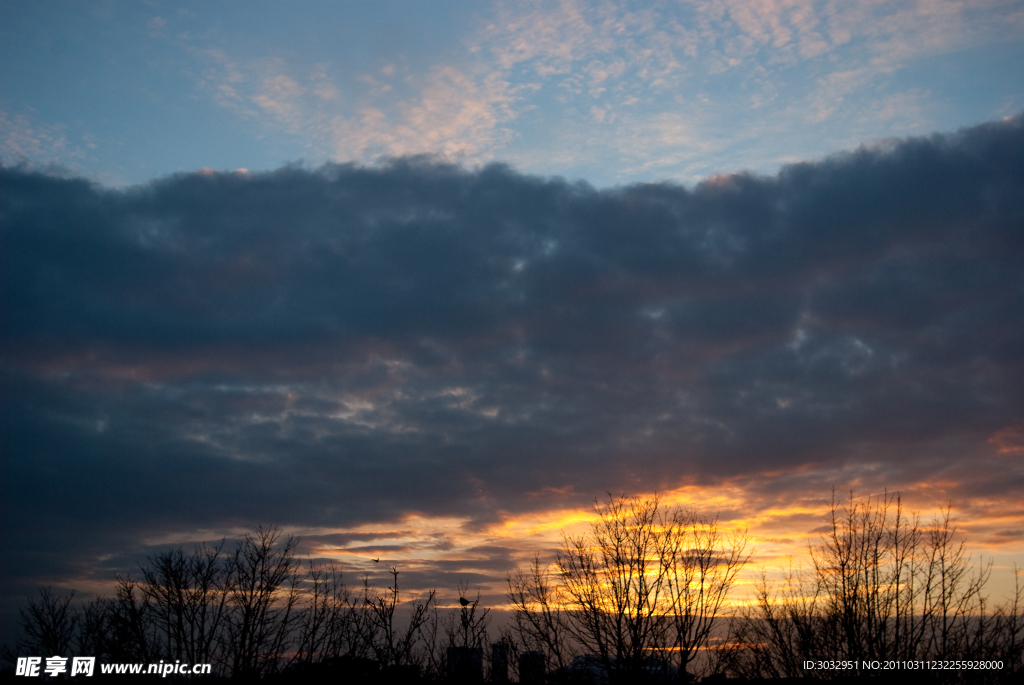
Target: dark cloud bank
(345, 345)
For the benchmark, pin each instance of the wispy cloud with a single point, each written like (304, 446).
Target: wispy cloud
(53, 147)
(728, 72)
(24, 140)
(442, 112)
(452, 115)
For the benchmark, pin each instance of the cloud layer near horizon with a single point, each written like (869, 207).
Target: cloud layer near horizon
(336, 347)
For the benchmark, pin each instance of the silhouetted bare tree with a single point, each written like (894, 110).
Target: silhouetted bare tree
(467, 627)
(393, 645)
(332, 620)
(252, 613)
(264, 591)
(702, 567)
(537, 615)
(93, 629)
(131, 632)
(882, 586)
(188, 596)
(48, 624)
(641, 591)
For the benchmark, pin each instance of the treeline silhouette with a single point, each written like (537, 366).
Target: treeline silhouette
(887, 588)
(642, 597)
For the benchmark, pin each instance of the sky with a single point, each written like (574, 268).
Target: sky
(613, 93)
(420, 281)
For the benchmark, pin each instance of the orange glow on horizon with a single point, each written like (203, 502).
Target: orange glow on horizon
(781, 523)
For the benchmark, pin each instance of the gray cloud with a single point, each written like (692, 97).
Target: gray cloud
(347, 345)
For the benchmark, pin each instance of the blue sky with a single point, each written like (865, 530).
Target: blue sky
(612, 93)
